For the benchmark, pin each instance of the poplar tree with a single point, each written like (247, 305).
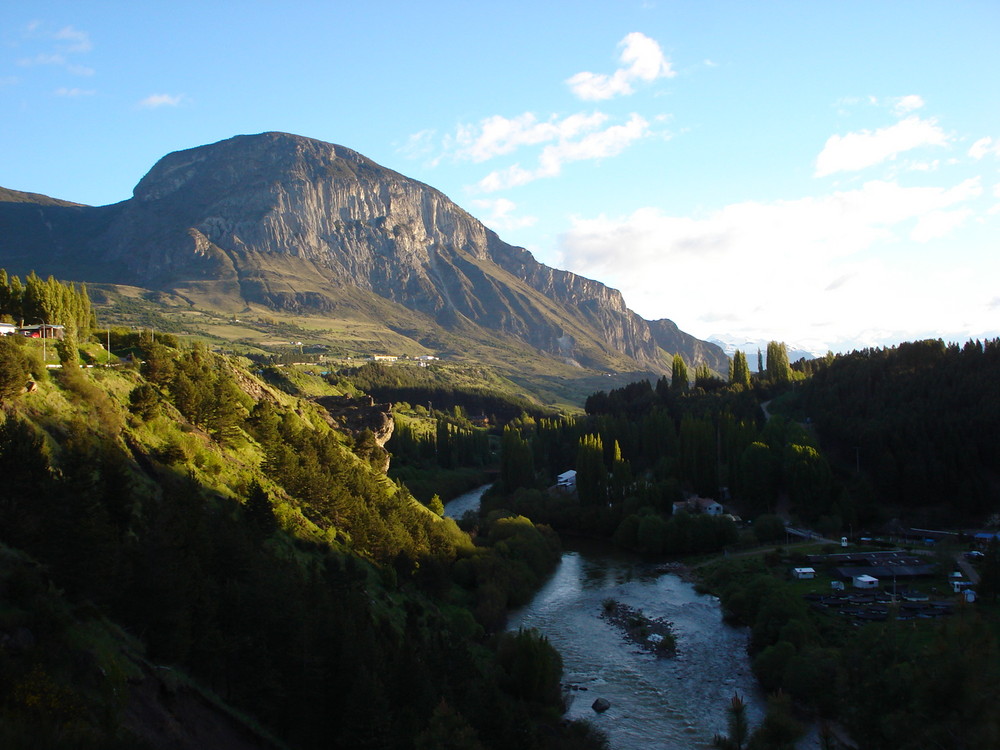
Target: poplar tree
(740, 370)
(778, 368)
(679, 375)
(591, 474)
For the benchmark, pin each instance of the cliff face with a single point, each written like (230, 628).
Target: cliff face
(290, 222)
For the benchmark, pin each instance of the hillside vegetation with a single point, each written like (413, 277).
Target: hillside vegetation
(194, 557)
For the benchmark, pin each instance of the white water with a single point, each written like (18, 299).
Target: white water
(657, 703)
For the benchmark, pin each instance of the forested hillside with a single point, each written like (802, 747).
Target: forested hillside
(919, 420)
(180, 538)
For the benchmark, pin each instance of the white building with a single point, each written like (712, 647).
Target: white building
(567, 480)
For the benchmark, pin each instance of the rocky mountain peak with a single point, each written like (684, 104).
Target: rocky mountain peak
(291, 222)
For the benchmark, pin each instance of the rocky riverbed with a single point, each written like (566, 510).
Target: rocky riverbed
(648, 633)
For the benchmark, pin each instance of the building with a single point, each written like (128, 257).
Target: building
(865, 582)
(699, 505)
(567, 481)
(43, 331)
(803, 573)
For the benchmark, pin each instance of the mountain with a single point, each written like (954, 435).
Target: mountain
(730, 344)
(296, 224)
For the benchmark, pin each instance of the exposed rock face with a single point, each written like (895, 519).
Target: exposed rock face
(355, 415)
(292, 223)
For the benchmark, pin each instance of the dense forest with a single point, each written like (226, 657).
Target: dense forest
(919, 421)
(839, 445)
(642, 448)
(177, 534)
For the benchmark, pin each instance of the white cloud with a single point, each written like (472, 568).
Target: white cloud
(764, 264)
(499, 214)
(856, 151)
(906, 104)
(73, 40)
(154, 101)
(608, 142)
(984, 147)
(641, 59)
(43, 58)
(937, 224)
(498, 135)
(74, 92)
(61, 44)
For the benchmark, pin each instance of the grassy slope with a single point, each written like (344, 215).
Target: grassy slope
(350, 331)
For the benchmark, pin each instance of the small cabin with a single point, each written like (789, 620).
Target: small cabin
(567, 480)
(43, 331)
(803, 573)
(865, 582)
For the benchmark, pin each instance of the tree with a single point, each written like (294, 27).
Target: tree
(778, 368)
(809, 480)
(591, 474)
(739, 729)
(741, 370)
(989, 582)
(779, 730)
(679, 375)
(144, 401)
(13, 368)
(448, 730)
(517, 465)
(259, 511)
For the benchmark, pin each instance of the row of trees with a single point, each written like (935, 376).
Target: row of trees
(47, 301)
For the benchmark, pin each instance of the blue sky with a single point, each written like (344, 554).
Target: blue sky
(822, 173)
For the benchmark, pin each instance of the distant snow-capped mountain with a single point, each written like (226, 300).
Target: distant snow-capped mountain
(730, 344)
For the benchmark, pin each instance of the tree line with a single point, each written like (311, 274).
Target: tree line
(47, 301)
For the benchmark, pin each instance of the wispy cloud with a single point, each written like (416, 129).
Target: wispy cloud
(74, 92)
(498, 135)
(61, 46)
(866, 148)
(985, 147)
(155, 101)
(600, 144)
(498, 214)
(641, 60)
(905, 104)
(42, 58)
(73, 40)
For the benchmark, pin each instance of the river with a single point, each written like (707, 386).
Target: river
(656, 703)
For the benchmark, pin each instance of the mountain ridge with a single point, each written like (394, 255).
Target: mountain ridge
(291, 223)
